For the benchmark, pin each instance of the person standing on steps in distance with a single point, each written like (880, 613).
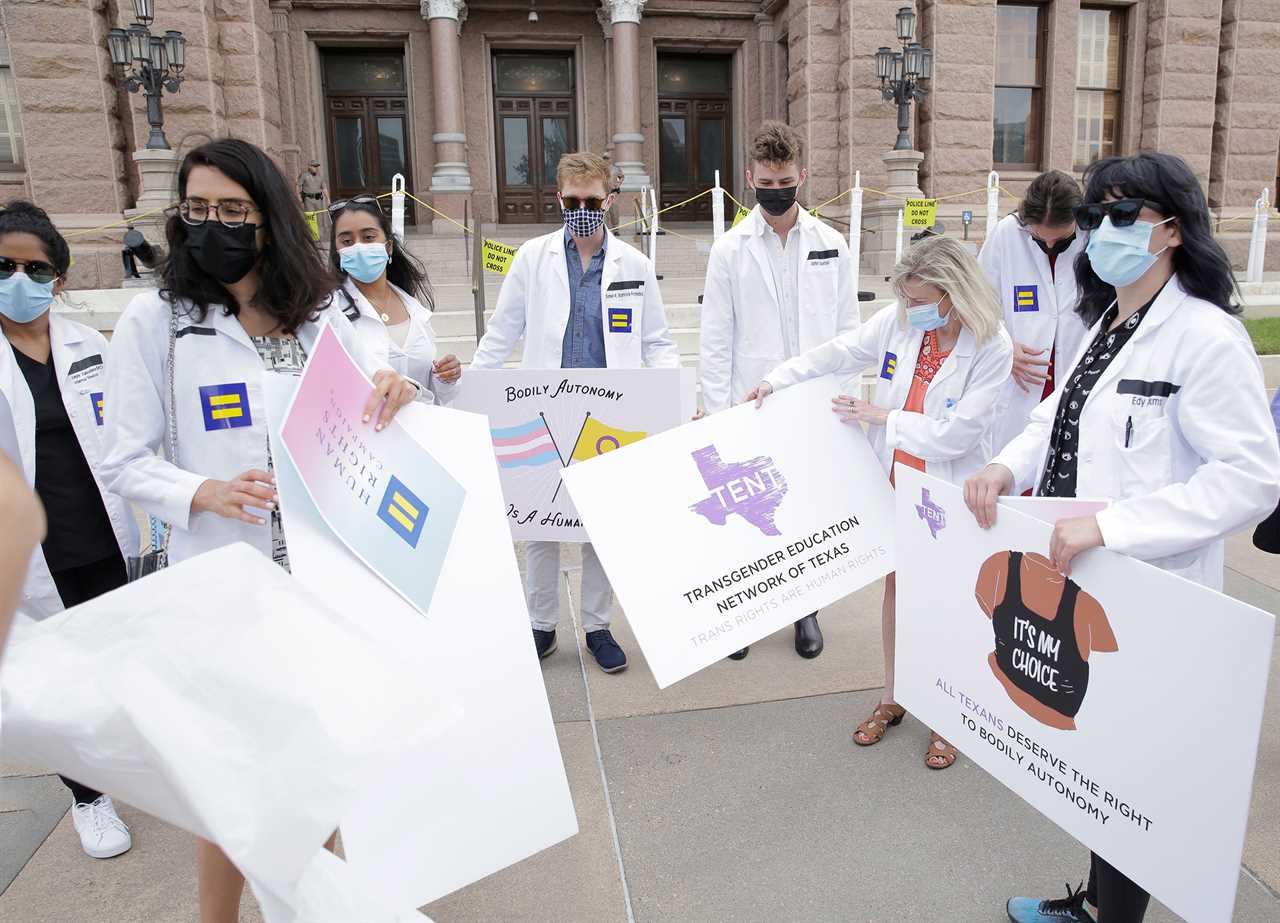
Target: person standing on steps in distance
(1030, 259)
(311, 189)
(778, 284)
(52, 374)
(941, 357)
(381, 286)
(1163, 412)
(244, 294)
(555, 296)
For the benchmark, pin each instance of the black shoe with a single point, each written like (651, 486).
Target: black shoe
(606, 651)
(808, 637)
(544, 642)
(739, 655)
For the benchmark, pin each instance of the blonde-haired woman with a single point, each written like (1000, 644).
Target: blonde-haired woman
(941, 358)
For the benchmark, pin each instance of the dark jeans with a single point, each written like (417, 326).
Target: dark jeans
(1117, 898)
(81, 584)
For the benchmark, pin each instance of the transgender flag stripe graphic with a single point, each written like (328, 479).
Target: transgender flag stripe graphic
(527, 444)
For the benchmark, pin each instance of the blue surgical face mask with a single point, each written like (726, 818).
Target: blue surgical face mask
(22, 300)
(925, 317)
(364, 262)
(1122, 256)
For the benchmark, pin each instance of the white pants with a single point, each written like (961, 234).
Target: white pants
(542, 587)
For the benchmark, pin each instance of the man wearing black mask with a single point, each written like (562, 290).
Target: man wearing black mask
(778, 283)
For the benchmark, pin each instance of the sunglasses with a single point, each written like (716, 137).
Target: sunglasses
(354, 200)
(1123, 212)
(572, 202)
(36, 270)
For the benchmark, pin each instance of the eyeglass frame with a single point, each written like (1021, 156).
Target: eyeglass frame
(26, 267)
(183, 209)
(585, 202)
(335, 208)
(1086, 214)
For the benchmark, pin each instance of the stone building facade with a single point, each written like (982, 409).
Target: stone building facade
(474, 101)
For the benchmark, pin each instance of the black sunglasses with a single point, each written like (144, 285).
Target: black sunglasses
(1123, 212)
(36, 270)
(354, 200)
(572, 202)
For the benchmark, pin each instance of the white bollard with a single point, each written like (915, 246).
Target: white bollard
(855, 227)
(1258, 242)
(653, 229)
(397, 205)
(717, 209)
(897, 250)
(993, 202)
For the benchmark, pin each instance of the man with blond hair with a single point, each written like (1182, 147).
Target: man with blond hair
(555, 296)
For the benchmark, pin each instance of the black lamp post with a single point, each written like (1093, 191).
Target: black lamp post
(148, 63)
(901, 73)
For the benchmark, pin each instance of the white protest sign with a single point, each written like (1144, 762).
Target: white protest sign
(542, 421)
(730, 527)
(1087, 696)
(491, 790)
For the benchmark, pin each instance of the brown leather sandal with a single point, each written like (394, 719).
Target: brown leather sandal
(870, 731)
(940, 754)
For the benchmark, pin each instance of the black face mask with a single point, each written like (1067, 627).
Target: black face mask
(1059, 247)
(776, 201)
(225, 253)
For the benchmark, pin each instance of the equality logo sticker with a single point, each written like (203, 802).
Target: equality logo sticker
(403, 511)
(752, 489)
(95, 398)
(934, 516)
(889, 367)
(619, 320)
(1026, 298)
(225, 406)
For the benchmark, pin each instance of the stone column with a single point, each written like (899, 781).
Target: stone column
(290, 152)
(880, 216)
(445, 18)
(624, 16)
(767, 71)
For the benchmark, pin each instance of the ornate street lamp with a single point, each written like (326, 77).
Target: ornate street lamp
(149, 63)
(902, 72)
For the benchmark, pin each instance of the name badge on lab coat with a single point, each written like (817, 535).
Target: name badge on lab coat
(620, 305)
(84, 372)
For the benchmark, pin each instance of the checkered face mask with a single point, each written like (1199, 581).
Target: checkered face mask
(583, 222)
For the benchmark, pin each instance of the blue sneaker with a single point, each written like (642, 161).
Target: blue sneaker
(606, 651)
(1069, 909)
(544, 642)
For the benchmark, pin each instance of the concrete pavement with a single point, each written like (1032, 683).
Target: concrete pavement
(736, 795)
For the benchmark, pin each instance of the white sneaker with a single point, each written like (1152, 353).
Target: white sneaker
(102, 833)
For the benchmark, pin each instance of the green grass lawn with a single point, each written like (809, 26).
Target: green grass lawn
(1266, 334)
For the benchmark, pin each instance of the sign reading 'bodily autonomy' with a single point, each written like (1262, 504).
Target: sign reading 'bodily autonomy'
(763, 516)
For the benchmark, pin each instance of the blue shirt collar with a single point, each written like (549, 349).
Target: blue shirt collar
(569, 243)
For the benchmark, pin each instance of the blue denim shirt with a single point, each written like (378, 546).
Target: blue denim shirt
(584, 333)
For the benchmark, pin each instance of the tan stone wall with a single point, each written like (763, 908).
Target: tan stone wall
(1246, 131)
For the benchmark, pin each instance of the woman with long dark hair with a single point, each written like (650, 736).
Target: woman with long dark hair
(244, 293)
(1163, 413)
(385, 287)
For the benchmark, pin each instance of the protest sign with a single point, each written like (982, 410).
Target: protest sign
(392, 503)
(494, 790)
(543, 421)
(1083, 694)
(731, 527)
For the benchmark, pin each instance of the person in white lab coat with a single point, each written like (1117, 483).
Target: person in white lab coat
(248, 292)
(941, 358)
(556, 295)
(383, 288)
(1030, 259)
(779, 283)
(1163, 412)
(52, 373)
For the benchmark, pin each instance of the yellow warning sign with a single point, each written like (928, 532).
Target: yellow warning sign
(920, 213)
(498, 257)
(737, 218)
(313, 223)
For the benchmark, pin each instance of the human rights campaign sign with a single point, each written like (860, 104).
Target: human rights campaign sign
(381, 493)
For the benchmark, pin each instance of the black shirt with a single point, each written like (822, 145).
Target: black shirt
(79, 529)
(1059, 478)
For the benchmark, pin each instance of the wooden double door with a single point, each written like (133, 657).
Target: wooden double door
(695, 109)
(535, 125)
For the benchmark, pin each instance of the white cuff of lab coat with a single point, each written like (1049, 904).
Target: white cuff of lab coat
(176, 504)
(891, 429)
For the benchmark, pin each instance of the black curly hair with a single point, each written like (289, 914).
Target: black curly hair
(23, 217)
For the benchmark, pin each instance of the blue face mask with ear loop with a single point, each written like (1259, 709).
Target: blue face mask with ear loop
(22, 300)
(364, 262)
(1122, 256)
(926, 317)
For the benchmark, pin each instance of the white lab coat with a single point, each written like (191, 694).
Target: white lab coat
(1201, 463)
(534, 303)
(214, 351)
(1046, 316)
(415, 358)
(741, 335)
(953, 435)
(80, 360)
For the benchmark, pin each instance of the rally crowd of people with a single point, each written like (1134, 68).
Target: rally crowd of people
(1009, 371)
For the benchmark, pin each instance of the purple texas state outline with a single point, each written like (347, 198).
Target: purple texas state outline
(752, 489)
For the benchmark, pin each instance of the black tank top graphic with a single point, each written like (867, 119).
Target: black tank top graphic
(1040, 656)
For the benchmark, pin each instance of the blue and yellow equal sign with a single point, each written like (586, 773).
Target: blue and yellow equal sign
(95, 398)
(889, 367)
(1026, 298)
(403, 511)
(620, 320)
(225, 406)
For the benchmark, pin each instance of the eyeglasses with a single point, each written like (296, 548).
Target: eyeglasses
(36, 270)
(572, 202)
(354, 200)
(230, 212)
(1123, 212)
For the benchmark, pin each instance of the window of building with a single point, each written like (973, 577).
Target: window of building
(10, 126)
(1019, 86)
(1098, 83)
